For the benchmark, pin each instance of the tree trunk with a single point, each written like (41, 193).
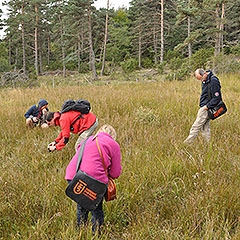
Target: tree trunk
(189, 33)
(217, 41)
(189, 44)
(105, 40)
(23, 42)
(16, 60)
(155, 41)
(162, 39)
(48, 56)
(40, 62)
(92, 55)
(222, 26)
(36, 41)
(79, 52)
(10, 53)
(140, 46)
(63, 47)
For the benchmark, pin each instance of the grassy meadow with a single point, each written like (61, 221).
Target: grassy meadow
(166, 191)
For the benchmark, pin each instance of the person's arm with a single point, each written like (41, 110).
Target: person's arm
(216, 94)
(64, 135)
(115, 168)
(29, 112)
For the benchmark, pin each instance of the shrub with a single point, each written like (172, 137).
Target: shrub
(147, 63)
(129, 65)
(160, 67)
(225, 63)
(4, 66)
(235, 50)
(200, 58)
(146, 115)
(172, 54)
(84, 67)
(176, 63)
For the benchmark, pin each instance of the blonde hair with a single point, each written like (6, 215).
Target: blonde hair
(109, 130)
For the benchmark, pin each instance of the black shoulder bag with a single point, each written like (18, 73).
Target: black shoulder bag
(217, 111)
(84, 189)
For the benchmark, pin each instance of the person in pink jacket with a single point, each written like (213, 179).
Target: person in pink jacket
(92, 165)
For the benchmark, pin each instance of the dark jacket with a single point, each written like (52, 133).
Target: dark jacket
(35, 111)
(215, 90)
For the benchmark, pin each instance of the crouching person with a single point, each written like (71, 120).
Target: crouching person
(92, 165)
(35, 114)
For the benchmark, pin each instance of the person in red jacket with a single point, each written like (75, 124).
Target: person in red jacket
(70, 122)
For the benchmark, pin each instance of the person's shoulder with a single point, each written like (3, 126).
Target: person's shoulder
(214, 80)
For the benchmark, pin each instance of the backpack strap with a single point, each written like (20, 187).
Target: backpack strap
(80, 155)
(101, 157)
(80, 116)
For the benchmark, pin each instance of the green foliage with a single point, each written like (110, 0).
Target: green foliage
(147, 63)
(200, 58)
(160, 67)
(84, 67)
(129, 65)
(172, 54)
(4, 66)
(55, 65)
(235, 50)
(175, 63)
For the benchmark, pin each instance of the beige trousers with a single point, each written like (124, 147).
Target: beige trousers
(86, 134)
(202, 123)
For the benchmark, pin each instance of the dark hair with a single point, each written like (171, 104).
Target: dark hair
(48, 116)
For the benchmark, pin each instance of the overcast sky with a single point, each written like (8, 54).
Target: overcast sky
(113, 3)
(99, 3)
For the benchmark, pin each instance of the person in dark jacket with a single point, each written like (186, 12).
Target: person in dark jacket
(202, 122)
(70, 122)
(35, 114)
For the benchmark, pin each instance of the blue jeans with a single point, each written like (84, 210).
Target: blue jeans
(97, 218)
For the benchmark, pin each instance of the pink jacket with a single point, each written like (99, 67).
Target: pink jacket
(91, 160)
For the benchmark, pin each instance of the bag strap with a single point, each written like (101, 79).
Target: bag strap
(101, 157)
(209, 91)
(80, 155)
(80, 116)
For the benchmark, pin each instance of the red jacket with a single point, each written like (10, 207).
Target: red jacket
(66, 119)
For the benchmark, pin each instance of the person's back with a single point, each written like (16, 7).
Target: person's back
(85, 122)
(91, 161)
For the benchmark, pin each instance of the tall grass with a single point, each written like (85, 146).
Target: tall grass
(166, 191)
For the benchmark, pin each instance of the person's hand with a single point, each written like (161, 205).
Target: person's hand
(44, 111)
(51, 148)
(51, 144)
(34, 119)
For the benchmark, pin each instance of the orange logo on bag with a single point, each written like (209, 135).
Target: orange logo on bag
(81, 187)
(218, 112)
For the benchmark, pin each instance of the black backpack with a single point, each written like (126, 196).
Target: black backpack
(80, 105)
